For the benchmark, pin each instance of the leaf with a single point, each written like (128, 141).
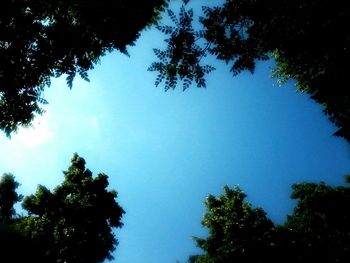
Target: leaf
(84, 75)
(190, 13)
(207, 69)
(159, 79)
(173, 17)
(70, 79)
(186, 83)
(206, 10)
(156, 66)
(42, 101)
(166, 29)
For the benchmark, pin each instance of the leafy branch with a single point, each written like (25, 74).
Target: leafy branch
(181, 59)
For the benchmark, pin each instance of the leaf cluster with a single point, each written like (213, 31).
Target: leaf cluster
(181, 59)
(44, 39)
(309, 40)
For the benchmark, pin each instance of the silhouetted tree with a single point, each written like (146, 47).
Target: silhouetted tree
(8, 197)
(317, 231)
(309, 40)
(42, 39)
(74, 222)
(15, 247)
(319, 228)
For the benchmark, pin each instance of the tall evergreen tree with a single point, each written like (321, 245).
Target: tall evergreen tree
(74, 222)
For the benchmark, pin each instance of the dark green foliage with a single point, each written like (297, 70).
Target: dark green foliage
(317, 231)
(320, 222)
(73, 223)
(309, 40)
(42, 39)
(8, 197)
(237, 231)
(15, 247)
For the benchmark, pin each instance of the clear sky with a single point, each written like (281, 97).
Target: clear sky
(165, 152)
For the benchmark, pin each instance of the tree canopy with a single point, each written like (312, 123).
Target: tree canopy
(317, 230)
(237, 231)
(309, 40)
(8, 197)
(43, 39)
(72, 223)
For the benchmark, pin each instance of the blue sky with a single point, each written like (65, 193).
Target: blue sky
(166, 151)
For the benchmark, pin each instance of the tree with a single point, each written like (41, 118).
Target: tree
(309, 40)
(319, 226)
(317, 231)
(237, 231)
(74, 222)
(8, 197)
(44, 39)
(15, 247)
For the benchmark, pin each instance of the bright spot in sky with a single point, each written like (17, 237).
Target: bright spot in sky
(39, 133)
